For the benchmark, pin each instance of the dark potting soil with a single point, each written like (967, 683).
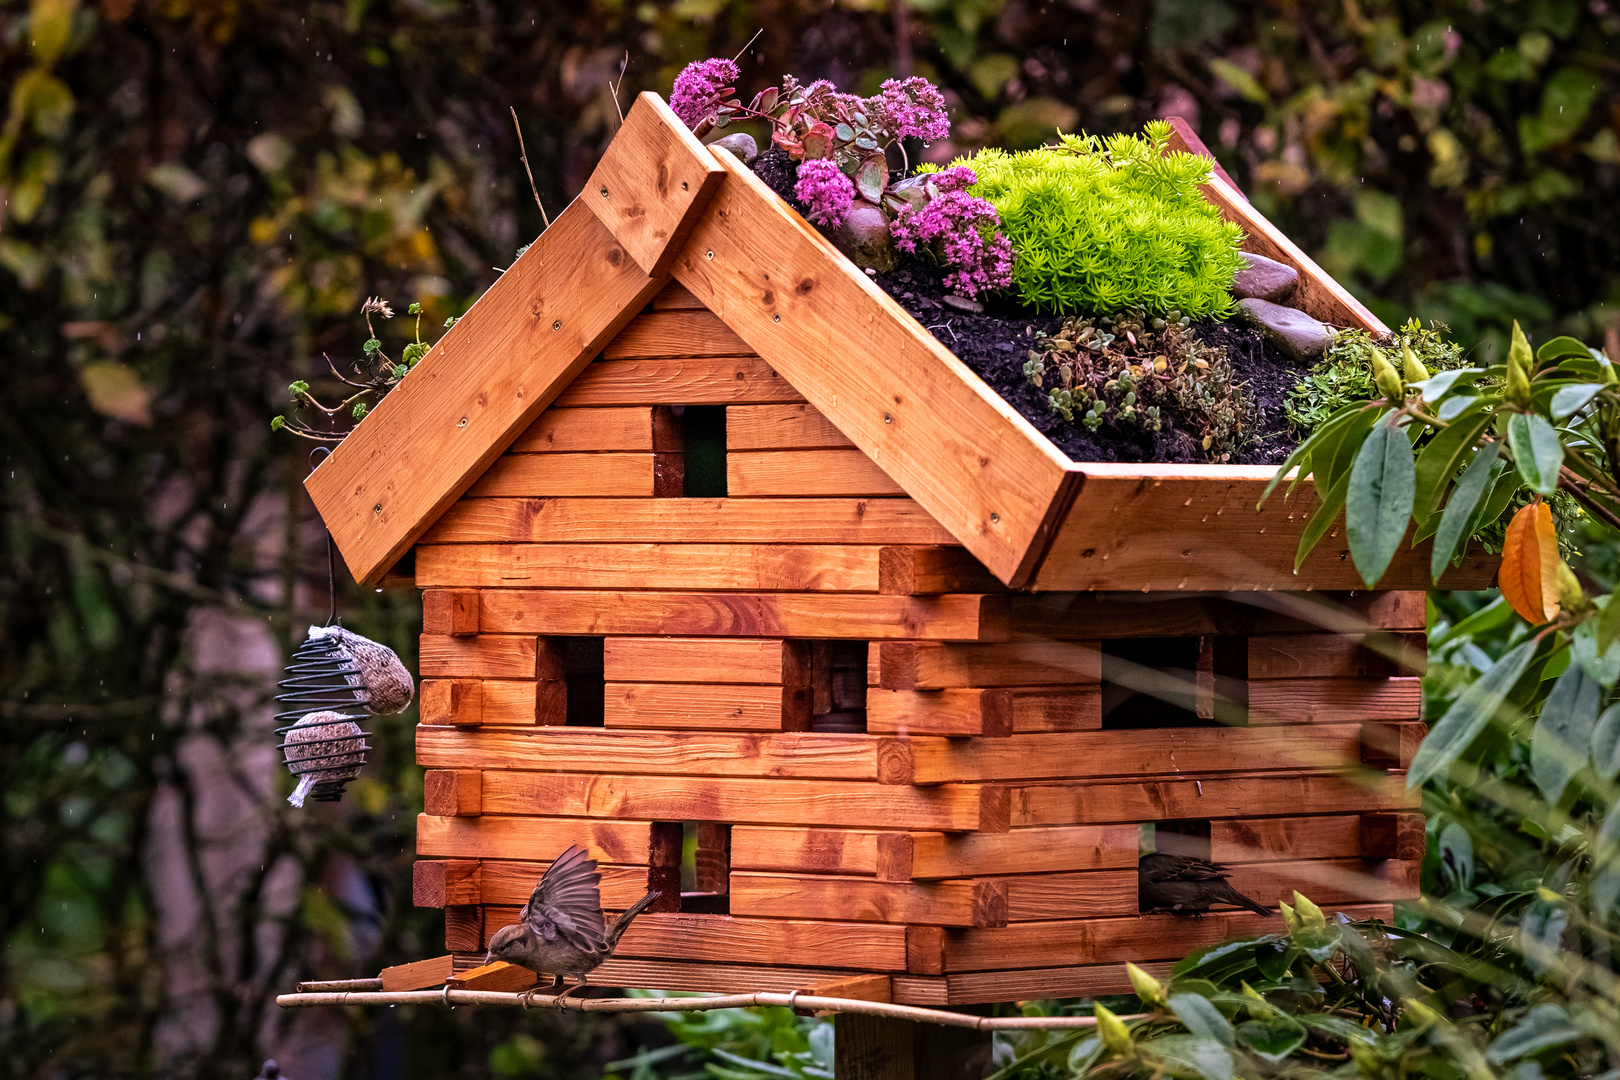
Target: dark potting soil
(995, 345)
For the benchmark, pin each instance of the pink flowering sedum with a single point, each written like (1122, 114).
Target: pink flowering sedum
(823, 187)
(964, 231)
(700, 89)
(911, 108)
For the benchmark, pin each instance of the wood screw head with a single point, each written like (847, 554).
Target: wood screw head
(994, 517)
(685, 186)
(887, 419)
(377, 509)
(557, 325)
(776, 318)
(709, 255)
(604, 191)
(463, 422)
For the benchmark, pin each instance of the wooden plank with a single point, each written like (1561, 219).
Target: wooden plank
(1069, 616)
(1336, 881)
(1333, 656)
(689, 614)
(643, 428)
(507, 701)
(675, 297)
(1390, 746)
(608, 475)
(503, 882)
(1134, 938)
(713, 977)
(709, 380)
(929, 571)
(685, 707)
(729, 521)
(498, 977)
(886, 1048)
(509, 656)
(919, 665)
(1206, 751)
(1191, 527)
(857, 944)
(1049, 850)
(939, 712)
(452, 793)
(765, 567)
(417, 975)
(1332, 836)
(1089, 894)
(458, 702)
(975, 988)
(450, 611)
(833, 851)
(950, 441)
(793, 756)
(1291, 701)
(769, 473)
(438, 883)
(652, 180)
(858, 988)
(744, 801)
(675, 335)
(948, 903)
(476, 390)
(707, 660)
(781, 427)
(1167, 799)
(531, 838)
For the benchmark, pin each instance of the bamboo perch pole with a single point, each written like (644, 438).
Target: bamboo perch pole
(794, 1000)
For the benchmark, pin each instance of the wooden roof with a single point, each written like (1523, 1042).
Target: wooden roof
(662, 205)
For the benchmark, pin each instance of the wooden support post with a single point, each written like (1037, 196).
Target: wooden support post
(664, 865)
(879, 1048)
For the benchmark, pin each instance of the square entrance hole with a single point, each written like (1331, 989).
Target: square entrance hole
(838, 685)
(586, 685)
(1173, 682)
(703, 450)
(1190, 838)
(691, 860)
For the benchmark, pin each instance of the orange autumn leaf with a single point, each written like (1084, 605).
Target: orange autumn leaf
(1529, 575)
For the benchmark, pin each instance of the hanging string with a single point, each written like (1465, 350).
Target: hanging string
(316, 456)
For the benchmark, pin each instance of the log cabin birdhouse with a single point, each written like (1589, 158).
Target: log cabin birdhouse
(736, 577)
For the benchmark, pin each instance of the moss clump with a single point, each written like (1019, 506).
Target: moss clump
(1104, 224)
(1344, 374)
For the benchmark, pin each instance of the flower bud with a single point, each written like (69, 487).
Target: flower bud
(1411, 366)
(1519, 368)
(1387, 378)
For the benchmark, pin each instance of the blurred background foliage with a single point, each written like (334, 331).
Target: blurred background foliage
(195, 196)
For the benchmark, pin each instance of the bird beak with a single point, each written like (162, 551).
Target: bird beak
(488, 957)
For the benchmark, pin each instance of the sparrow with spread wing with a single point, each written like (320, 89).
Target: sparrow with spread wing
(1182, 884)
(561, 929)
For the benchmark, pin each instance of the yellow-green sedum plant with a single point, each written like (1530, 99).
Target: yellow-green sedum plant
(1101, 224)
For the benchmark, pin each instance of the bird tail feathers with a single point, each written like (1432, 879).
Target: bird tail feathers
(623, 921)
(1232, 896)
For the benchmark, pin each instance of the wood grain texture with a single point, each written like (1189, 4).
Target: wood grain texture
(929, 571)
(418, 975)
(675, 335)
(656, 753)
(799, 849)
(1294, 701)
(652, 180)
(1220, 796)
(476, 390)
(1071, 616)
(744, 801)
(1088, 894)
(452, 792)
(1202, 751)
(439, 883)
(1181, 527)
(1049, 850)
(686, 707)
(539, 475)
(1333, 656)
(725, 978)
(628, 429)
(939, 712)
(450, 611)
(675, 297)
(690, 614)
(973, 988)
(495, 656)
(913, 665)
(763, 567)
(1336, 881)
(781, 427)
(1393, 836)
(770, 473)
(956, 447)
(458, 702)
(1330, 836)
(531, 839)
(777, 940)
(498, 977)
(949, 903)
(723, 380)
(728, 521)
(884, 1048)
(707, 660)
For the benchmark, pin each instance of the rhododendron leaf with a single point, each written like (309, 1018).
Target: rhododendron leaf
(1529, 574)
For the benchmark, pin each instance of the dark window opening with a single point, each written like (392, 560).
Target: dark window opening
(583, 674)
(1172, 682)
(838, 686)
(703, 449)
(691, 865)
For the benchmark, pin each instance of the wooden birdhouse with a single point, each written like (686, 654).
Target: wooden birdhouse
(735, 576)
